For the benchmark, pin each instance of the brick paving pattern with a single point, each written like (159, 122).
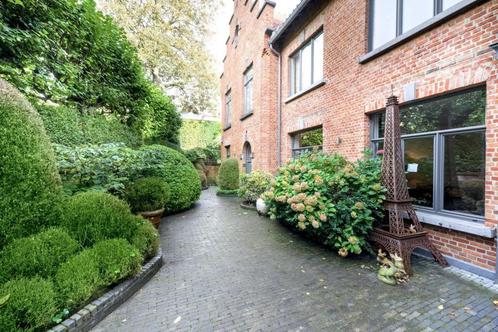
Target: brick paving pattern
(227, 269)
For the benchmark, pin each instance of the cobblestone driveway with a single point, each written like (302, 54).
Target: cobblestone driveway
(226, 269)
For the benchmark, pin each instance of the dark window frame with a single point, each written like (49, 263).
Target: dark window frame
(438, 155)
(297, 150)
(440, 17)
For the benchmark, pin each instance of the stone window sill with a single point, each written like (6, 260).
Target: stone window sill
(245, 116)
(433, 22)
(456, 224)
(302, 93)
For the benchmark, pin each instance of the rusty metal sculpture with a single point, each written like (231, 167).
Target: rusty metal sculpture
(404, 232)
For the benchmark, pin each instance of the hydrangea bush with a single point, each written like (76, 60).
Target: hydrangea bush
(253, 185)
(329, 199)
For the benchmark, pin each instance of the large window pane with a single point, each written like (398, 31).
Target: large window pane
(383, 22)
(318, 59)
(449, 3)
(306, 67)
(456, 111)
(416, 12)
(419, 166)
(464, 167)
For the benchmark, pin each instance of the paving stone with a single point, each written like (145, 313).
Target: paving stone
(229, 271)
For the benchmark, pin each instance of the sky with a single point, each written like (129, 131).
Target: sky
(220, 28)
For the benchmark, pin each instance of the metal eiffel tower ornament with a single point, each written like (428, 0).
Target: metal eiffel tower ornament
(404, 231)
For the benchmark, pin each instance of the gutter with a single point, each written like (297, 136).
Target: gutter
(279, 105)
(287, 23)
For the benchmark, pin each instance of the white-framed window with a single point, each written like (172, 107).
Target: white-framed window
(306, 65)
(228, 109)
(392, 18)
(248, 90)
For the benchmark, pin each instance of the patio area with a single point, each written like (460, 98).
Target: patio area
(227, 269)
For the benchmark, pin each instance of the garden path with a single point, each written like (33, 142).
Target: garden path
(227, 269)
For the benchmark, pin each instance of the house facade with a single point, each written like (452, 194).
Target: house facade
(335, 62)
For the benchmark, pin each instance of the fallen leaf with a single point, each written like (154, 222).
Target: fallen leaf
(177, 320)
(495, 302)
(440, 307)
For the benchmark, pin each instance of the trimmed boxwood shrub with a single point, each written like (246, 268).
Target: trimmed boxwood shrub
(147, 194)
(330, 200)
(94, 216)
(30, 305)
(253, 185)
(146, 238)
(78, 279)
(117, 259)
(177, 171)
(37, 255)
(30, 186)
(228, 176)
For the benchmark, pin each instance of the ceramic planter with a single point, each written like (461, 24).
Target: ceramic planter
(153, 216)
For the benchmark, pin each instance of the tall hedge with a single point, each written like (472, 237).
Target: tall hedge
(177, 171)
(30, 186)
(228, 176)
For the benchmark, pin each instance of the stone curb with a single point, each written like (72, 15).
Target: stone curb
(248, 207)
(98, 309)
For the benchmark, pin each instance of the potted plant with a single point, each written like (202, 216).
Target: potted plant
(147, 197)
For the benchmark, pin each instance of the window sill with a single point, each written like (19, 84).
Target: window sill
(227, 127)
(456, 224)
(302, 93)
(433, 22)
(245, 116)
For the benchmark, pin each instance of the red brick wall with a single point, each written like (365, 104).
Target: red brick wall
(452, 56)
(260, 128)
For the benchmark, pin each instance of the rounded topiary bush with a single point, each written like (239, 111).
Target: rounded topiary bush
(37, 255)
(177, 171)
(146, 238)
(117, 259)
(94, 216)
(228, 175)
(330, 200)
(147, 194)
(78, 279)
(30, 305)
(30, 186)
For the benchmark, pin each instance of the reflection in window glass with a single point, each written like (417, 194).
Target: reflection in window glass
(383, 22)
(307, 141)
(464, 163)
(318, 58)
(419, 166)
(306, 67)
(449, 3)
(416, 12)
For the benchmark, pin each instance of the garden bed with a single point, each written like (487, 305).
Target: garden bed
(98, 309)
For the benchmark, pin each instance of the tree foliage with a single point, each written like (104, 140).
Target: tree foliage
(170, 37)
(200, 134)
(68, 53)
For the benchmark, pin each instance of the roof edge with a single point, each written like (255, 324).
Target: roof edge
(287, 23)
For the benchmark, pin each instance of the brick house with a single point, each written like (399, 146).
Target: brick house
(321, 79)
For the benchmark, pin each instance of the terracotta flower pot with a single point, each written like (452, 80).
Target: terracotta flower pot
(153, 216)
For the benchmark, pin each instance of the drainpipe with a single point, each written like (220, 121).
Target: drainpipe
(279, 106)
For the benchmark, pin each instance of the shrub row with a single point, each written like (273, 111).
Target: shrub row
(332, 201)
(111, 167)
(70, 279)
